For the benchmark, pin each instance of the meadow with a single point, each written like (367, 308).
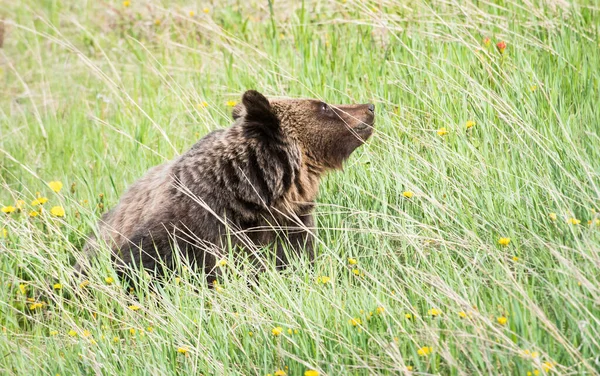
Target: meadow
(462, 239)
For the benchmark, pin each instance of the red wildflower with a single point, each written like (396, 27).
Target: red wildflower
(501, 46)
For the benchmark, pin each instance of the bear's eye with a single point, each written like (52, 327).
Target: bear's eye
(324, 107)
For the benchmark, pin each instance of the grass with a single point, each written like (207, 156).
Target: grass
(95, 93)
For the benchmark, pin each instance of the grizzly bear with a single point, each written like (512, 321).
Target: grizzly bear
(249, 186)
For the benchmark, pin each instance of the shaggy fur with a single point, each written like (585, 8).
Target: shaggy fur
(250, 185)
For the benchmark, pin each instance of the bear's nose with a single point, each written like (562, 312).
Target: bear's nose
(371, 107)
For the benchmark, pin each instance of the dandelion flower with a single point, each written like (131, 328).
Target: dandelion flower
(552, 216)
(231, 103)
(424, 351)
(206, 10)
(574, 221)
(72, 333)
(86, 333)
(116, 339)
(442, 131)
(8, 209)
(280, 372)
(191, 13)
(352, 261)
(462, 314)
(276, 331)
(33, 213)
(53, 332)
(470, 124)
(182, 350)
(109, 280)
(56, 186)
(311, 372)
(57, 211)
(222, 263)
(515, 258)
(134, 307)
(355, 321)
(323, 279)
(408, 194)
(356, 271)
(4, 233)
(132, 331)
(290, 331)
(84, 284)
(157, 21)
(408, 316)
(57, 286)
(250, 334)
(434, 312)
(547, 366)
(501, 47)
(39, 201)
(126, 3)
(502, 320)
(380, 310)
(409, 368)
(533, 88)
(202, 104)
(35, 306)
(536, 372)
(504, 241)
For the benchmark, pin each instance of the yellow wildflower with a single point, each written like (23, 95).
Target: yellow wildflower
(157, 21)
(434, 312)
(515, 258)
(409, 368)
(442, 131)
(276, 331)
(408, 316)
(547, 366)
(177, 280)
(56, 186)
(223, 263)
(33, 213)
(470, 124)
(502, 320)
(115, 339)
(150, 329)
(72, 333)
(35, 306)
(182, 350)
(53, 332)
(191, 13)
(352, 261)
(132, 331)
(206, 10)
(574, 221)
(323, 279)
(109, 280)
(57, 211)
(57, 286)
(134, 307)
(250, 334)
(84, 284)
(4, 233)
(380, 310)
(356, 271)
(407, 194)
(8, 209)
(311, 372)
(290, 331)
(20, 204)
(536, 372)
(424, 351)
(533, 88)
(280, 372)
(86, 333)
(126, 3)
(504, 241)
(39, 201)
(355, 321)
(462, 314)
(23, 288)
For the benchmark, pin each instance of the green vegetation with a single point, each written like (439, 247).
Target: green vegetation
(95, 93)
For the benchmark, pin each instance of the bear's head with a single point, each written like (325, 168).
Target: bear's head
(327, 134)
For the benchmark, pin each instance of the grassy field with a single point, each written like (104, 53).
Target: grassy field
(463, 239)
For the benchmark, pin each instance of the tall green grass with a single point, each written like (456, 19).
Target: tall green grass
(95, 93)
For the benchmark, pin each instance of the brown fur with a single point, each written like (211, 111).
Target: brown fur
(251, 185)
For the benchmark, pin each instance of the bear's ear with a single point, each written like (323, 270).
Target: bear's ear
(259, 118)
